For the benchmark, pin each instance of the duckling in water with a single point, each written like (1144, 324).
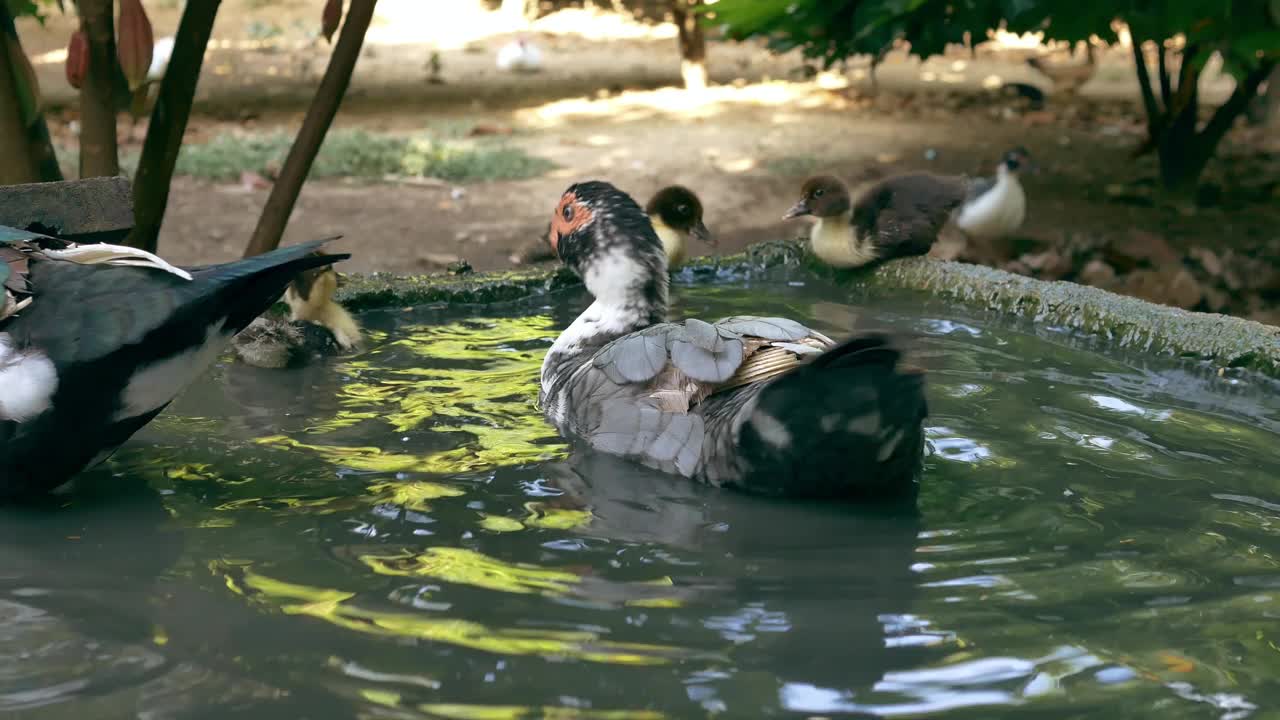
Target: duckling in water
(674, 211)
(316, 326)
(996, 207)
(897, 217)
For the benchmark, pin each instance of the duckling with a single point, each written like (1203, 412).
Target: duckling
(996, 207)
(520, 55)
(676, 214)
(763, 405)
(96, 340)
(315, 327)
(899, 216)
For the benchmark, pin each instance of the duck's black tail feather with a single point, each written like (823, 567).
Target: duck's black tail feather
(850, 424)
(248, 287)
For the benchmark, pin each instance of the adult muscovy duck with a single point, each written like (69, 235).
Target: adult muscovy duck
(95, 340)
(760, 404)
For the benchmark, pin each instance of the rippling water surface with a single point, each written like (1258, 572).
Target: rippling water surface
(399, 534)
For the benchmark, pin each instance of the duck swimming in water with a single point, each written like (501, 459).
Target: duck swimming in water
(96, 340)
(676, 214)
(996, 206)
(316, 325)
(760, 404)
(899, 216)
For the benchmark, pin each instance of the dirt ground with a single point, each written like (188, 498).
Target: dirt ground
(605, 106)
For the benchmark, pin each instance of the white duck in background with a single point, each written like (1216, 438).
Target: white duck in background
(520, 55)
(160, 58)
(996, 207)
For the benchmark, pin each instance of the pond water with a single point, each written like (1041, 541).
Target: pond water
(398, 534)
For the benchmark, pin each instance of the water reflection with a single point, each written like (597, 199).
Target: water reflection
(398, 534)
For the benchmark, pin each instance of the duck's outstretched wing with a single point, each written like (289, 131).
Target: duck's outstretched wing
(634, 398)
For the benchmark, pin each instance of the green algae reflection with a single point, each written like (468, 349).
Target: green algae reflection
(341, 608)
(477, 380)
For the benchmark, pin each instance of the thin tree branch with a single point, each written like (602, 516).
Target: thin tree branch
(1166, 91)
(271, 224)
(1228, 111)
(1155, 119)
(169, 122)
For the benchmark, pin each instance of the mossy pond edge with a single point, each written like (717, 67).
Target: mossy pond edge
(1124, 322)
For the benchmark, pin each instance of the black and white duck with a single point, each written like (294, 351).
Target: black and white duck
(760, 404)
(95, 340)
(316, 325)
(899, 216)
(676, 214)
(996, 206)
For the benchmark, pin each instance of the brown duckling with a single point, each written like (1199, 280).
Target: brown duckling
(316, 326)
(674, 211)
(896, 217)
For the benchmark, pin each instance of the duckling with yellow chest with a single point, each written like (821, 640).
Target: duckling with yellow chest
(896, 217)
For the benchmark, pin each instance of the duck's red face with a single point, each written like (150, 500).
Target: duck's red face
(571, 216)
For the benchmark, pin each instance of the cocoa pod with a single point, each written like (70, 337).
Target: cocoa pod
(77, 59)
(134, 42)
(331, 18)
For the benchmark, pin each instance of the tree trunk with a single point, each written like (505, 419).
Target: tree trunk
(33, 141)
(693, 44)
(275, 216)
(169, 123)
(98, 152)
(18, 166)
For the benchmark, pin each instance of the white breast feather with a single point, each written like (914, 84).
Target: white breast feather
(28, 381)
(997, 212)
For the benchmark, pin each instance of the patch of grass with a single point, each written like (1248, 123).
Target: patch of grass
(357, 154)
(790, 166)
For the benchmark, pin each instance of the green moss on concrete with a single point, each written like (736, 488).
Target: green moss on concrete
(1127, 322)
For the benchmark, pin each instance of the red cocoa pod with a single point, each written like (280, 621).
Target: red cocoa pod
(134, 42)
(77, 59)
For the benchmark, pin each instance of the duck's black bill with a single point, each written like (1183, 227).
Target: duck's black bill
(700, 232)
(797, 210)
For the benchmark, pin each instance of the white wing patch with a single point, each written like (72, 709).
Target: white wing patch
(28, 381)
(155, 385)
(102, 254)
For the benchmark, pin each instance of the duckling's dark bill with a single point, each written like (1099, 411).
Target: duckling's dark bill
(800, 208)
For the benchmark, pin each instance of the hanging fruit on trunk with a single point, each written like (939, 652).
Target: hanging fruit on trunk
(134, 42)
(330, 20)
(77, 59)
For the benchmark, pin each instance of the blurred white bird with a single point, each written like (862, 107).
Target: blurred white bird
(160, 58)
(520, 55)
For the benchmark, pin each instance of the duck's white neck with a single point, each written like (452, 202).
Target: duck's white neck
(835, 241)
(629, 296)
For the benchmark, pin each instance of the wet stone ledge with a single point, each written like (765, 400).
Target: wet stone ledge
(1125, 322)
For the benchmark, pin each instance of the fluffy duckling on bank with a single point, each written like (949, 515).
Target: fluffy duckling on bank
(996, 207)
(764, 405)
(316, 326)
(676, 214)
(899, 216)
(96, 340)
